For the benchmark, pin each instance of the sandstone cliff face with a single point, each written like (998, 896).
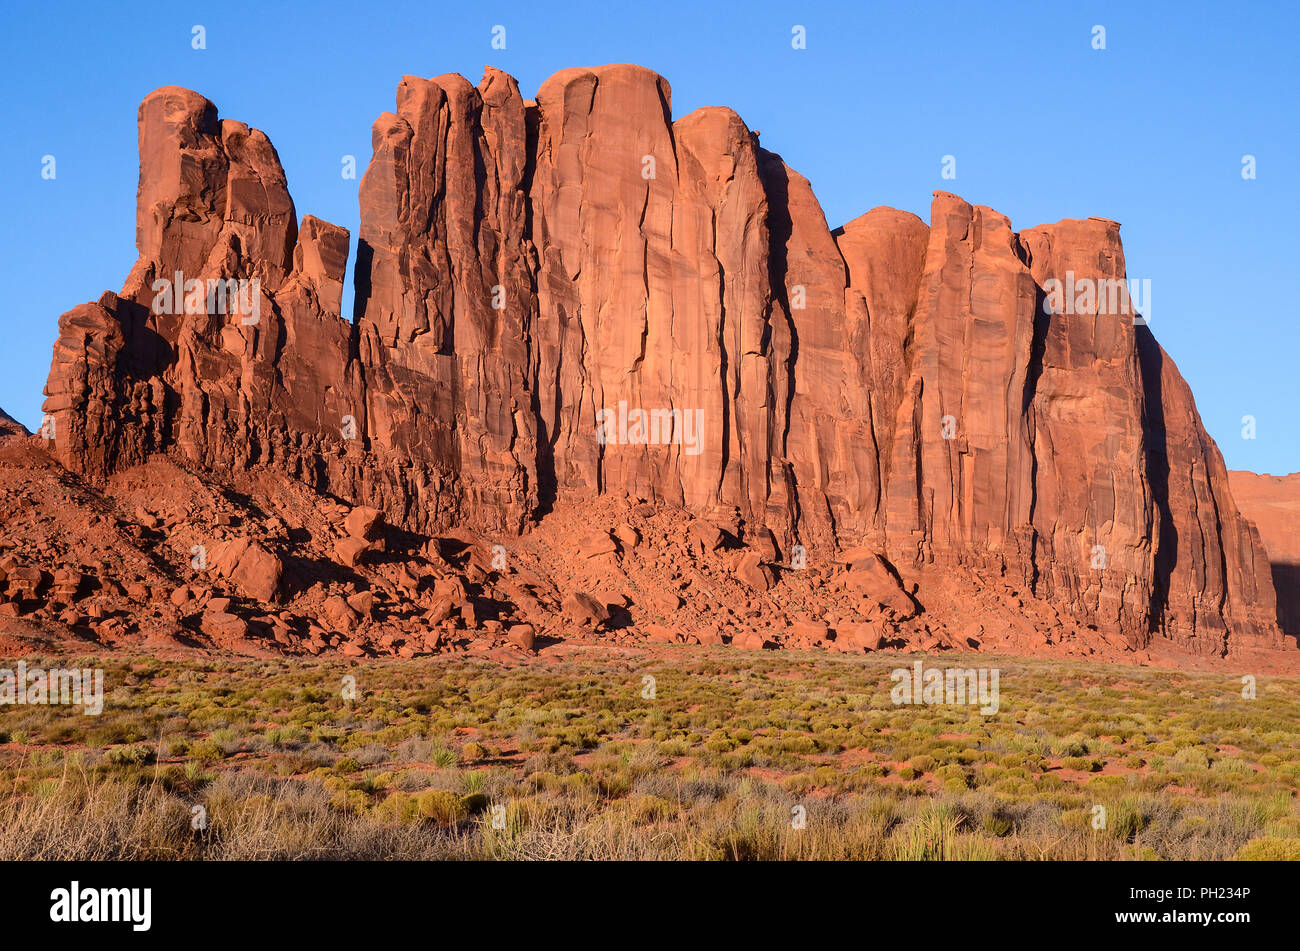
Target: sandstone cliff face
(533, 276)
(444, 303)
(1212, 575)
(1273, 504)
(1093, 505)
(960, 482)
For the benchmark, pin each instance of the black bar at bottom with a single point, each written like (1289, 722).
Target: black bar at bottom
(366, 899)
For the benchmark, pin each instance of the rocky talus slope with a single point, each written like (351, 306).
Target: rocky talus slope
(611, 374)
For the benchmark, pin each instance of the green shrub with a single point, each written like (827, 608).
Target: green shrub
(1083, 764)
(1079, 820)
(1192, 756)
(350, 801)
(998, 825)
(136, 754)
(474, 803)
(400, 808)
(1125, 821)
(1233, 765)
(720, 743)
(929, 835)
(648, 809)
(953, 777)
(207, 751)
(442, 806)
(1269, 849)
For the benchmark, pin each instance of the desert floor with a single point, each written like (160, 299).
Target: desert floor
(574, 753)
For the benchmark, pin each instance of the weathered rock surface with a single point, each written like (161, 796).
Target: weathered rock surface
(577, 298)
(1272, 503)
(249, 567)
(10, 426)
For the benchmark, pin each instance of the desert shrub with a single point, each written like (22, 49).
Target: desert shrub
(1233, 765)
(720, 742)
(928, 835)
(610, 783)
(648, 809)
(350, 801)
(1269, 849)
(207, 751)
(997, 824)
(953, 778)
(474, 803)
(136, 754)
(1078, 820)
(442, 806)
(673, 747)
(1126, 820)
(1074, 746)
(1083, 764)
(1192, 756)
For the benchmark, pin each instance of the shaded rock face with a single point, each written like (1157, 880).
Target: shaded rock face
(578, 296)
(1273, 504)
(10, 426)
(1211, 570)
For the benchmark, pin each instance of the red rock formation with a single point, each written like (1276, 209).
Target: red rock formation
(445, 302)
(1093, 511)
(961, 474)
(1273, 504)
(884, 251)
(10, 426)
(1212, 580)
(577, 297)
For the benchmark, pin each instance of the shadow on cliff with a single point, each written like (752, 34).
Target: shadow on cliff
(147, 353)
(1151, 361)
(1034, 372)
(1286, 581)
(775, 177)
(547, 483)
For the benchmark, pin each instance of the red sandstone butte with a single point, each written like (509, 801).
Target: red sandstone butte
(523, 265)
(1273, 504)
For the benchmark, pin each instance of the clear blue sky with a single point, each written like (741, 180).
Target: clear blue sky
(1150, 132)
